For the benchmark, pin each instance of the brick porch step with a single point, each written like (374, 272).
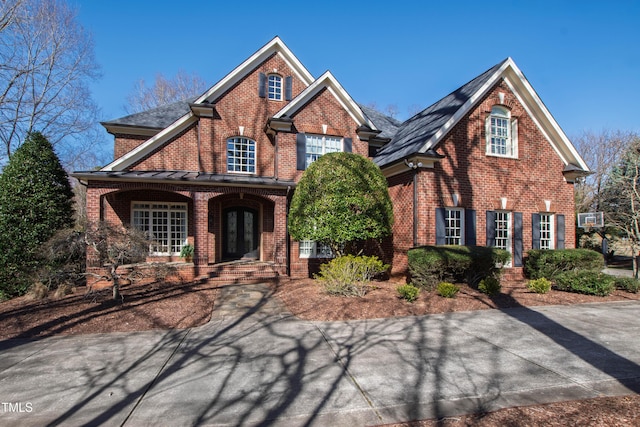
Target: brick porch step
(243, 271)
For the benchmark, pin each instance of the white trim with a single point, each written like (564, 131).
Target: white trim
(328, 81)
(274, 46)
(461, 228)
(527, 96)
(168, 230)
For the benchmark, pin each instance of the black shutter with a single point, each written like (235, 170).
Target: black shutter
(441, 233)
(287, 88)
(491, 228)
(347, 145)
(262, 85)
(517, 239)
(301, 152)
(535, 231)
(559, 231)
(470, 227)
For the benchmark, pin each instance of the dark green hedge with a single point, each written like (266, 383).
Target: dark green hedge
(550, 263)
(430, 265)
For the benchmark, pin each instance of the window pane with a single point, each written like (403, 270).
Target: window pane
(453, 227)
(546, 235)
(275, 87)
(503, 230)
(241, 154)
(165, 226)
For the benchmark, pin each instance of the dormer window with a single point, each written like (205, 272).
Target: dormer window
(274, 87)
(502, 133)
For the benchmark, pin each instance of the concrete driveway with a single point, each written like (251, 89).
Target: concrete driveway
(253, 364)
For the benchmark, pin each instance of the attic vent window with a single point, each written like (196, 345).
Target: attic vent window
(502, 133)
(275, 87)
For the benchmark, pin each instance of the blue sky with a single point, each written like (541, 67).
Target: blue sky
(582, 57)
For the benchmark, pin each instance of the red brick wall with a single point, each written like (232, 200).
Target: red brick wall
(481, 180)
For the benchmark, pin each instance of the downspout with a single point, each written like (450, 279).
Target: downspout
(288, 245)
(415, 208)
(275, 157)
(198, 145)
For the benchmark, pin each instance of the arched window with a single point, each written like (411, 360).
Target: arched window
(274, 87)
(502, 133)
(241, 155)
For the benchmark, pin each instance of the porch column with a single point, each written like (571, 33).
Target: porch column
(280, 230)
(200, 212)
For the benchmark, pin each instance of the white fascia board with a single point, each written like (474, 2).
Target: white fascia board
(462, 111)
(327, 80)
(543, 119)
(275, 45)
(151, 144)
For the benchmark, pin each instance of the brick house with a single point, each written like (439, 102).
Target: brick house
(485, 165)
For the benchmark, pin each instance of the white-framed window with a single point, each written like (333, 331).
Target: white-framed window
(546, 231)
(165, 224)
(503, 230)
(454, 226)
(274, 87)
(317, 145)
(241, 155)
(311, 249)
(502, 133)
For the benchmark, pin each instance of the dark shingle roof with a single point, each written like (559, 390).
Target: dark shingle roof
(156, 118)
(412, 135)
(386, 124)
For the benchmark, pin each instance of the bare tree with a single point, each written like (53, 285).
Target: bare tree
(164, 91)
(602, 152)
(46, 63)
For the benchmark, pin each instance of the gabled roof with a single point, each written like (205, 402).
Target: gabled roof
(388, 126)
(421, 133)
(329, 82)
(155, 118)
(179, 123)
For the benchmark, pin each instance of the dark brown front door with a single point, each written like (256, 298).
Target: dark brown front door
(240, 234)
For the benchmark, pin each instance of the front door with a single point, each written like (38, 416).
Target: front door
(240, 234)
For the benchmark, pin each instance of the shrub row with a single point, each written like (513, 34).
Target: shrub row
(550, 263)
(430, 265)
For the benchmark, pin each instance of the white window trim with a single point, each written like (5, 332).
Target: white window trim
(313, 252)
(446, 225)
(185, 209)
(509, 245)
(551, 230)
(255, 155)
(324, 139)
(278, 91)
(512, 130)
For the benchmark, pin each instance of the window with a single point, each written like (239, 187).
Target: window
(241, 155)
(164, 223)
(503, 230)
(501, 133)
(546, 231)
(317, 145)
(311, 249)
(274, 87)
(454, 232)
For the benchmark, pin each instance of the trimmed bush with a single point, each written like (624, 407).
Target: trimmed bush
(408, 292)
(549, 263)
(539, 286)
(447, 290)
(430, 265)
(350, 275)
(628, 284)
(490, 286)
(586, 282)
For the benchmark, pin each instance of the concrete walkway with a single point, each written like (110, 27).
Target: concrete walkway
(255, 364)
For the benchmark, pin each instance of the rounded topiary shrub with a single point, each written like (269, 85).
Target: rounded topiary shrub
(408, 292)
(586, 282)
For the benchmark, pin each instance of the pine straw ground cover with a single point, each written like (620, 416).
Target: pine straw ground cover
(181, 305)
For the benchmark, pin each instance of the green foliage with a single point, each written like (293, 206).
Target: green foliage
(408, 292)
(490, 286)
(350, 275)
(628, 284)
(187, 251)
(341, 199)
(586, 282)
(430, 265)
(539, 286)
(35, 202)
(447, 290)
(549, 263)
